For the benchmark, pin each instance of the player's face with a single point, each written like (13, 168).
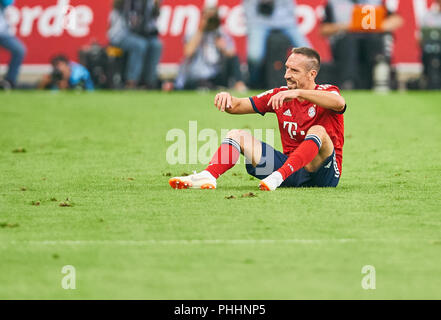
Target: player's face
(297, 75)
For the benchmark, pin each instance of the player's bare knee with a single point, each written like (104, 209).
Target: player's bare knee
(237, 135)
(326, 145)
(233, 134)
(319, 131)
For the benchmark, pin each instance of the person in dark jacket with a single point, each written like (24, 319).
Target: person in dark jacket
(133, 29)
(356, 52)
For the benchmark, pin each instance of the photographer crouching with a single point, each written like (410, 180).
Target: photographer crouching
(66, 74)
(210, 57)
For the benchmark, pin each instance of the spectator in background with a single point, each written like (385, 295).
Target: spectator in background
(134, 45)
(210, 57)
(142, 16)
(66, 75)
(133, 29)
(13, 45)
(355, 51)
(263, 17)
(430, 39)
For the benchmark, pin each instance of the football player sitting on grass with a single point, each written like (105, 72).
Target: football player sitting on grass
(311, 127)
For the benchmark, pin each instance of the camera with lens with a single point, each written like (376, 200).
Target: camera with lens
(266, 7)
(213, 23)
(56, 75)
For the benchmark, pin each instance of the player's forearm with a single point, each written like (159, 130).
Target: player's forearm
(324, 99)
(235, 106)
(226, 102)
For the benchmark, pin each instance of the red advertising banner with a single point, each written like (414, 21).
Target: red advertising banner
(44, 26)
(51, 27)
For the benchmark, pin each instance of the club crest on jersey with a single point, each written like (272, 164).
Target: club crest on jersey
(311, 111)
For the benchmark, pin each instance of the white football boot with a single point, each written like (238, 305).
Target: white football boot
(201, 180)
(272, 182)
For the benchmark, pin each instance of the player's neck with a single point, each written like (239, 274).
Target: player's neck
(311, 86)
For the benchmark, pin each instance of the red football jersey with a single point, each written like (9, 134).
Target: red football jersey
(295, 118)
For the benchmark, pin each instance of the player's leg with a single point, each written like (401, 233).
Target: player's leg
(323, 169)
(235, 143)
(310, 155)
(250, 147)
(272, 160)
(325, 150)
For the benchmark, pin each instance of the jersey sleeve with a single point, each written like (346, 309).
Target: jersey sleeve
(260, 102)
(332, 89)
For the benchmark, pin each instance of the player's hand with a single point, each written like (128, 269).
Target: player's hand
(222, 101)
(278, 99)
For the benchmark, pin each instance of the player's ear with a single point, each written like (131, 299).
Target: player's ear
(313, 74)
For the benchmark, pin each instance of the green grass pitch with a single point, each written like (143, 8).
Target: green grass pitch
(129, 235)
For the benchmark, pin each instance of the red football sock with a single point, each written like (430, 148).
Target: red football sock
(225, 157)
(304, 154)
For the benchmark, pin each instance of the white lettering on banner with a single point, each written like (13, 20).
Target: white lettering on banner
(184, 19)
(163, 19)
(79, 21)
(60, 18)
(56, 15)
(420, 8)
(28, 17)
(182, 14)
(51, 21)
(235, 22)
(13, 16)
(308, 18)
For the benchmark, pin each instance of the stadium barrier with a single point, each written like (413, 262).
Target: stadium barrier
(46, 26)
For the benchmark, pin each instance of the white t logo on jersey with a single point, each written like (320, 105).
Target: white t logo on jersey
(291, 127)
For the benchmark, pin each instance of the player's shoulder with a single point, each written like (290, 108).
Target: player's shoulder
(328, 87)
(272, 92)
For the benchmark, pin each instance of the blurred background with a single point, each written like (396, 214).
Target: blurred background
(183, 45)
